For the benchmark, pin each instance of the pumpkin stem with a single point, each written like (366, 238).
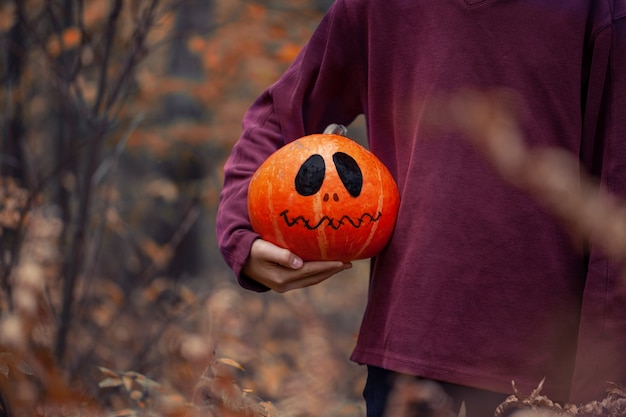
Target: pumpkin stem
(336, 129)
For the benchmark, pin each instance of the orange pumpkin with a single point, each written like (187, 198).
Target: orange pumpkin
(324, 197)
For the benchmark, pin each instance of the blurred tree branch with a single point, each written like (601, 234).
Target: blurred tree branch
(552, 176)
(11, 157)
(100, 120)
(58, 32)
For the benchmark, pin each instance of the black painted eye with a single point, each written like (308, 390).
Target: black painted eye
(349, 173)
(310, 175)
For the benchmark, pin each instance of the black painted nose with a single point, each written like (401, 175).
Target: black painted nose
(327, 197)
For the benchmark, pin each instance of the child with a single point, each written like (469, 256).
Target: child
(480, 285)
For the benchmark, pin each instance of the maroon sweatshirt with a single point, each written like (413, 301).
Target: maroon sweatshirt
(480, 285)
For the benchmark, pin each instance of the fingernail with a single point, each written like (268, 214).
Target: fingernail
(296, 263)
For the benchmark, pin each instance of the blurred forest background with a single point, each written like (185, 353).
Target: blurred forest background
(117, 117)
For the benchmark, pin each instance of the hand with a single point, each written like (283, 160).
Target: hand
(282, 271)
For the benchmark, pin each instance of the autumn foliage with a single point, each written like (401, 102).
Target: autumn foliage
(117, 117)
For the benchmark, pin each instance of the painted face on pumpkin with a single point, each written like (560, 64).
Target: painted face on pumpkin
(309, 181)
(324, 197)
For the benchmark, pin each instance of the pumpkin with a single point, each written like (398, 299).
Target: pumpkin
(324, 197)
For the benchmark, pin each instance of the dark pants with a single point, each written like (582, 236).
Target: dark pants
(380, 383)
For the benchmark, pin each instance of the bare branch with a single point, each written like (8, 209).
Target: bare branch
(102, 84)
(139, 49)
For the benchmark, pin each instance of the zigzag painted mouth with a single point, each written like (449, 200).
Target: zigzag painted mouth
(330, 222)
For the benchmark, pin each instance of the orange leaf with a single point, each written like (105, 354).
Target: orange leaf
(230, 362)
(159, 254)
(95, 12)
(69, 39)
(288, 52)
(127, 412)
(127, 382)
(54, 46)
(108, 372)
(7, 17)
(256, 11)
(110, 382)
(136, 395)
(196, 44)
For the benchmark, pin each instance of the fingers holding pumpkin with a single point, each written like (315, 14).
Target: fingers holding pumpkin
(281, 270)
(311, 273)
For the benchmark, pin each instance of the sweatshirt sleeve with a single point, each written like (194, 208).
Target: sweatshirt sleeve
(602, 333)
(322, 86)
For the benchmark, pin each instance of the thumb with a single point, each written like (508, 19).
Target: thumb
(291, 260)
(288, 259)
(281, 256)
